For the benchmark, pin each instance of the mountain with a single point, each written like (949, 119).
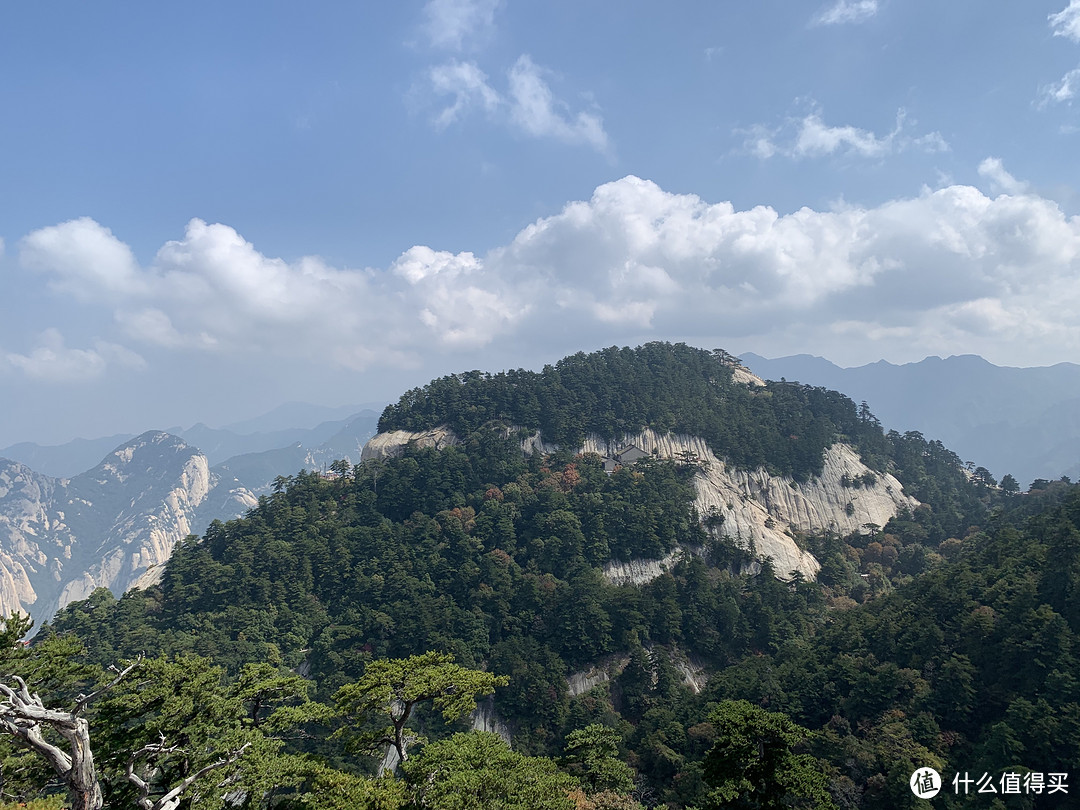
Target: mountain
(63, 460)
(116, 524)
(1021, 421)
(758, 510)
(112, 526)
(271, 431)
(636, 538)
(291, 415)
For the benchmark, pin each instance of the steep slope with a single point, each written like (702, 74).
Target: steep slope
(760, 511)
(775, 459)
(112, 526)
(115, 525)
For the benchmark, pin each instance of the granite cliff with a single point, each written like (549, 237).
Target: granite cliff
(112, 526)
(759, 511)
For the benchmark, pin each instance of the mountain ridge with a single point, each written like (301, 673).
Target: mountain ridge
(1015, 420)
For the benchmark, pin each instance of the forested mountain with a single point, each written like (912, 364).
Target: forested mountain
(943, 638)
(115, 524)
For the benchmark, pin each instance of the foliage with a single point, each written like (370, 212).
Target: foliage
(592, 755)
(753, 764)
(940, 636)
(668, 387)
(390, 690)
(478, 769)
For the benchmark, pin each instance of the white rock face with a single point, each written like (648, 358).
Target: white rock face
(388, 445)
(746, 377)
(114, 526)
(485, 718)
(760, 511)
(578, 683)
(692, 671)
(639, 572)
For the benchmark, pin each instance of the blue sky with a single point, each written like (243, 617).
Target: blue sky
(210, 208)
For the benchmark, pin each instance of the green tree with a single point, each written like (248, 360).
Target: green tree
(183, 727)
(389, 690)
(479, 770)
(592, 755)
(752, 764)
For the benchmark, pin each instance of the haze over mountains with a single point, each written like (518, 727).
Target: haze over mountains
(114, 522)
(312, 426)
(154, 489)
(1021, 421)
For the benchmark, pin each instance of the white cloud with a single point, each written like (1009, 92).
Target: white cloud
(52, 361)
(1064, 90)
(469, 87)
(1000, 180)
(847, 11)
(536, 111)
(455, 299)
(82, 257)
(1066, 23)
(948, 270)
(809, 136)
(815, 139)
(529, 105)
(453, 23)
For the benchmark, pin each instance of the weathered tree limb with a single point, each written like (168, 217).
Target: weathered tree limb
(23, 715)
(171, 800)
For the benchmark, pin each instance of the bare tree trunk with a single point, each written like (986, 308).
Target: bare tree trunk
(171, 800)
(23, 715)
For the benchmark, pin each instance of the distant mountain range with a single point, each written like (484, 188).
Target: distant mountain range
(71, 522)
(63, 534)
(1021, 421)
(312, 426)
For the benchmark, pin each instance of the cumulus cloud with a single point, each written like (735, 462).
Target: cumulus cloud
(848, 11)
(82, 257)
(52, 361)
(453, 24)
(454, 298)
(809, 136)
(1066, 23)
(948, 270)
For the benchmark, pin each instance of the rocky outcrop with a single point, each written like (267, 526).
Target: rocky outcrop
(758, 511)
(486, 718)
(578, 683)
(392, 443)
(610, 667)
(639, 572)
(113, 526)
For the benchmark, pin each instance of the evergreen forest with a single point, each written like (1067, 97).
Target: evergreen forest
(328, 649)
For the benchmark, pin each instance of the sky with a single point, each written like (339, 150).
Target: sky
(208, 209)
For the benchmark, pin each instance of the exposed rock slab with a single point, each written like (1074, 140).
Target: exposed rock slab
(113, 526)
(578, 683)
(392, 443)
(761, 512)
(486, 718)
(639, 572)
